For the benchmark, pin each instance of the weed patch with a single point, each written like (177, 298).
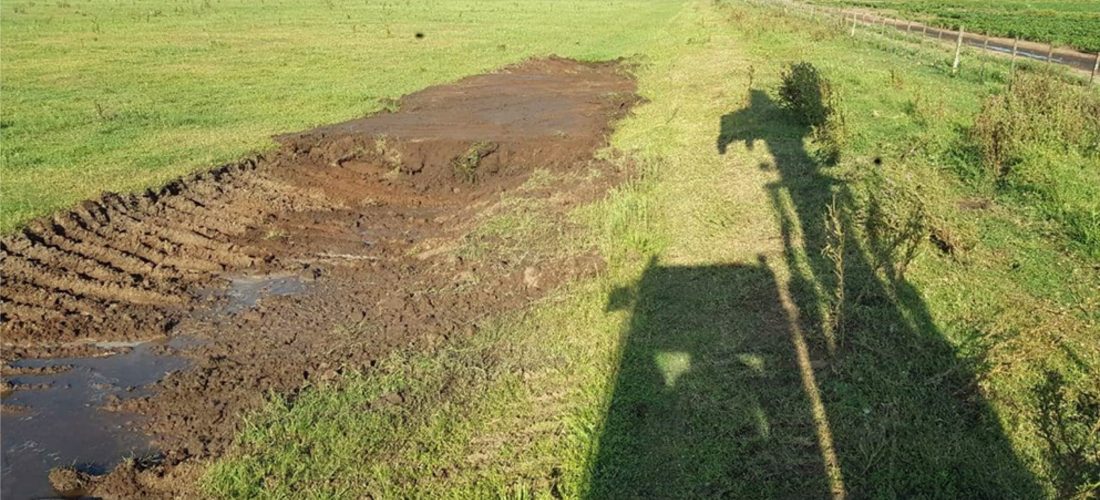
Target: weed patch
(465, 166)
(1040, 143)
(1069, 423)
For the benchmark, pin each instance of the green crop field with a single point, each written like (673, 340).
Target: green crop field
(915, 317)
(1074, 23)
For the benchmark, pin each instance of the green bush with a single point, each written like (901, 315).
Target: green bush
(806, 94)
(811, 99)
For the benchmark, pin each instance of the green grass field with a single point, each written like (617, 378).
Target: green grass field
(1074, 23)
(107, 96)
(678, 374)
(721, 353)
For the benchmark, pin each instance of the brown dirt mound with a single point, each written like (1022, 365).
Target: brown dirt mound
(372, 215)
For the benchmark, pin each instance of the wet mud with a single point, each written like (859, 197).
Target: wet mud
(294, 267)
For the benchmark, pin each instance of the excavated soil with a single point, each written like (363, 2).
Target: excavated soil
(362, 224)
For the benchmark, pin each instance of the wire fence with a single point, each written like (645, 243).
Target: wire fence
(859, 22)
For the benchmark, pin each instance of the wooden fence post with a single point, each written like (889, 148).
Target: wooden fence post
(1050, 53)
(854, 21)
(985, 54)
(958, 52)
(1015, 49)
(1095, 68)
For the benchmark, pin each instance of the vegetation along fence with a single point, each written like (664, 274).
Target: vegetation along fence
(859, 21)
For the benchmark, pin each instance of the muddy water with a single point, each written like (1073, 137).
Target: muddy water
(59, 421)
(1004, 49)
(245, 292)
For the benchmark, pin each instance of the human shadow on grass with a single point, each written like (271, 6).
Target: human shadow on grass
(708, 400)
(728, 385)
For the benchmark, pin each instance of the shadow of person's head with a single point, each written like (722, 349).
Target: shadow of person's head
(761, 119)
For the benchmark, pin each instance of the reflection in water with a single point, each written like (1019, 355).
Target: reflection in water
(59, 421)
(58, 418)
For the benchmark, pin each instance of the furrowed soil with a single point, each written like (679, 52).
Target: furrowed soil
(359, 233)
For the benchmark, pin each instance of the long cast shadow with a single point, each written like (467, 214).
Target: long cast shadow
(708, 400)
(711, 397)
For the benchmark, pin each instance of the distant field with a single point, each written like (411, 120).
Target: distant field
(1074, 23)
(119, 96)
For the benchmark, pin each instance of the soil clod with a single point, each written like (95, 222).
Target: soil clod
(69, 483)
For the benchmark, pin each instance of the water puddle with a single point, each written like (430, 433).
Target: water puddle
(58, 421)
(245, 292)
(55, 418)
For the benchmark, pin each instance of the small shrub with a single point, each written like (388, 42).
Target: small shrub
(895, 222)
(834, 252)
(806, 94)
(830, 139)
(811, 99)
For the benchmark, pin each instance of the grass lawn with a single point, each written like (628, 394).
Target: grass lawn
(721, 354)
(1075, 23)
(119, 96)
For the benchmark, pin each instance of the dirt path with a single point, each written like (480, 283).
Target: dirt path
(298, 266)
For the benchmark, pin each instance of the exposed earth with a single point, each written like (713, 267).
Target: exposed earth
(317, 259)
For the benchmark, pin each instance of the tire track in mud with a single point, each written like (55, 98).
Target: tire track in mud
(127, 267)
(117, 268)
(372, 214)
